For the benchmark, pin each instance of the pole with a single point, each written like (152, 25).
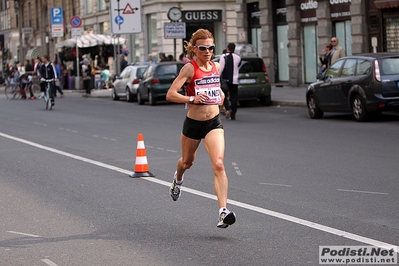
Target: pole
(174, 48)
(77, 82)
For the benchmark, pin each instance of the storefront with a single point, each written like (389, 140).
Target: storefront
(281, 43)
(310, 39)
(205, 19)
(341, 23)
(254, 28)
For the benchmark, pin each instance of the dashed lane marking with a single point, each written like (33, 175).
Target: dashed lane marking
(272, 184)
(49, 262)
(23, 234)
(360, 191)
(254, 208)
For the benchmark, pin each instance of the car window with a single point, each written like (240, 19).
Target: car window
(334, 69)
(363, 67)
(148, 72)
(140, 71)
(390, 66)
(349, 68)
(166, 70)
(248, 65)
(124, 72)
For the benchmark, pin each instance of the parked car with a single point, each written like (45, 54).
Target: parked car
(127, 83)
(156, 81)
(362, 84)
(253, 80)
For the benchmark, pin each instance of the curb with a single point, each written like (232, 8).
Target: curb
(289, 103)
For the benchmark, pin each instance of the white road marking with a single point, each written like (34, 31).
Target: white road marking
(272, 184)
(238, 172)
(24, 234)
(49, 262)
(278, 215)
(360, 191)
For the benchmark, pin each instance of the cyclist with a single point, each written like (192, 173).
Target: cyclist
(47, 71)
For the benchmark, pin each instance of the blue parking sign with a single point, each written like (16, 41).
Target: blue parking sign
(57, 17)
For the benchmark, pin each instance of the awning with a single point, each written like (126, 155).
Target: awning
(386, 4)
(33, 53)
(90, 40)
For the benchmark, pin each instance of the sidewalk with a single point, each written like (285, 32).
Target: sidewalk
(284, 96)
(289, 96)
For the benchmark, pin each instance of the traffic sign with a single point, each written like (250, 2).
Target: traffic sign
(175, 30)
(57, 17)
(75, 22)
(125, 16)
(76, 32)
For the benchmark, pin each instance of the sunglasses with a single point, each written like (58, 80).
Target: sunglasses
(204, 47)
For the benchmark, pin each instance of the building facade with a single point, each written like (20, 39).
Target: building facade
(288, 34)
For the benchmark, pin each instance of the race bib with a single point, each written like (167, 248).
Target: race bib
(209, 86)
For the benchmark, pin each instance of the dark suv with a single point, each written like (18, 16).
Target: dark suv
(362, 84)
(156, 81)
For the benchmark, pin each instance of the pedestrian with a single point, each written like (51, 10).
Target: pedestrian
(150, 59)
(171, 58)
(104, 78)
(36, 67)
(229, 63)
(26, 80)
(325, 60)
(86, 74)
(47, 72)
(203, 95)
(57, 83)
(123, 62)
(337, 51)
(162, 57)
(183, 58)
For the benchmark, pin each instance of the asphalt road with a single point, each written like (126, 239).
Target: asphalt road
(66, 197)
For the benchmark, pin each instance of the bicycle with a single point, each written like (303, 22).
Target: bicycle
(32, 87)
(48, 100)
(14, 91)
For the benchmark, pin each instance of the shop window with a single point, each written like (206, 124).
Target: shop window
(152, 37)
(391, 38)
(102, 5)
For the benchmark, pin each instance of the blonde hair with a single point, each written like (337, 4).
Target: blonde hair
(198, 35)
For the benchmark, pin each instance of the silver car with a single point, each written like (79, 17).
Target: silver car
(126, 84)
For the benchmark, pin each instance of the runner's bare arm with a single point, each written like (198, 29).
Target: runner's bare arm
(184, 76)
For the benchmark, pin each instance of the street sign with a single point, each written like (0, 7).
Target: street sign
(76, 32)
(175, 30)
(125, 16)
(57, 17)
(75, 22)
(27, 30)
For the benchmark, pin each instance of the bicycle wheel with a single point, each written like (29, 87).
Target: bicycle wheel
(13, 92)
(35, 90)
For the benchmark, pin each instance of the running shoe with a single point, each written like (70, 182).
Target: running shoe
(174, 189)
(226, 218)
(228, 114)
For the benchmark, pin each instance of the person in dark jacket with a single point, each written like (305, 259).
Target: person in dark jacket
(325, 60)
(123, 62)
(47, 72)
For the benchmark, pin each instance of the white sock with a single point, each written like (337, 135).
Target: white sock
(223, 209)
(179, 182)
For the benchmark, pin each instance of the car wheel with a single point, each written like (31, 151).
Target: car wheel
(140, 99)
(266, 100)
(114, 95)
(151, 99)
(129, 95)
(313, 108)
(359, 109)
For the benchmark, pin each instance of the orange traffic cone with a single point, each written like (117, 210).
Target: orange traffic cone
(141, 169)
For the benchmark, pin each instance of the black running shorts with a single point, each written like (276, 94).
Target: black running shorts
(195, 129)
